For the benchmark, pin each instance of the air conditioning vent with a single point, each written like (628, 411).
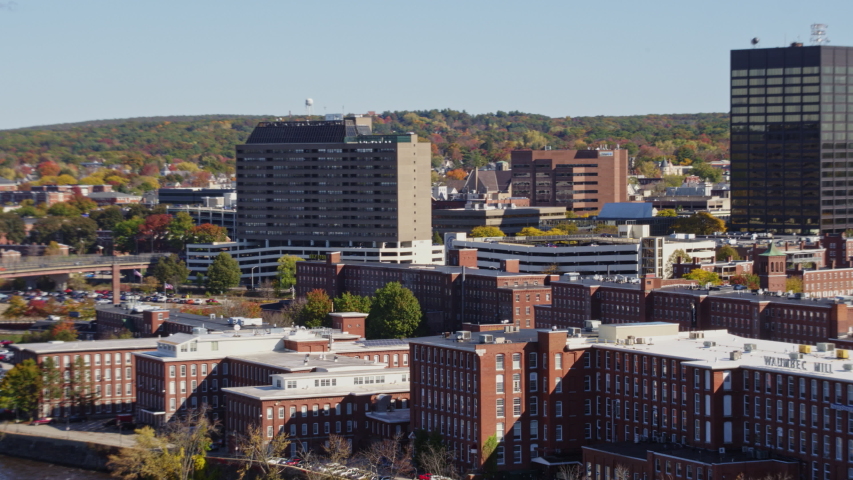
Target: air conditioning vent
(825, 347)
(848, 367)
(464, 334)
(748, 347)
(487, 339)
(640, 340)
(795, 356)
(709, 344)
(697, 335)
(735, 355)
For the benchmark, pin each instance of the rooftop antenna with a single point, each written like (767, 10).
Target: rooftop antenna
(309, 106)
(819, 34)
(754, 42)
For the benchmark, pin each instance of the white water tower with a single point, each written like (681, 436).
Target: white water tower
(309, 106)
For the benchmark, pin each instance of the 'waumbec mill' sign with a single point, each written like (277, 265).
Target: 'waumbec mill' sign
(797, 364)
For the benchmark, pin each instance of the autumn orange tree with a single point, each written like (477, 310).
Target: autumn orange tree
(457, 174)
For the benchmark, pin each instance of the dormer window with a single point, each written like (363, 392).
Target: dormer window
(184, 347)
(194, 346)
(278, 383)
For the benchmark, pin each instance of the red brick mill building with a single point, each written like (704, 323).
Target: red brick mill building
(642, 397)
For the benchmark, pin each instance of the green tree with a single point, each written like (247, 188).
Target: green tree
(667, 212)
(175, 451)
(706, 172)
(700, 223)
(223, 274)
(350, 302)
(673, 180)
(726, 251)
(286, 273)
(794, 284)
(317, 307)
(126, 234)
(394, 313)
(179, 229)
(703, 277)
(485, 231)
(17, 308)
(605, 228)
(12, 227)
(171, 270)
(107, 218)
(21, 387)
(436, 238)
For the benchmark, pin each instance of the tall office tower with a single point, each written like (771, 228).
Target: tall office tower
(791, 134)
(312, 186)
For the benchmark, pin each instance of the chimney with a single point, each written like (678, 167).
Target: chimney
(730, 259)
(510, 265)
(462, 257)
(333, 258)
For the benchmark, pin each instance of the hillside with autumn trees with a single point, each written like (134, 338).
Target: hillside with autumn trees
(134, 152)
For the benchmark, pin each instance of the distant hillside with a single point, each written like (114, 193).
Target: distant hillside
(144, 145)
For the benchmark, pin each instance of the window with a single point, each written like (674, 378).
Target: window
(531, 360)
(558, 385)
(499, 431)
(500, 407)
(516, 407)
(533, 384)
(558, 361)
(516, 431)
(516, 454)
(516, 383)
(534, 429)
(558, 408)
(516, 361)
(499, 361)
(534, 406)
(559, 433)
(501, 460)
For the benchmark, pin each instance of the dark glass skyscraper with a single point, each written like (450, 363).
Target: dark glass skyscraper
(790, 137)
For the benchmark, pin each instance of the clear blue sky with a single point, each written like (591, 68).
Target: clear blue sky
(75, 60)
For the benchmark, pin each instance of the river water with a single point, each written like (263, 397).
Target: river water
(12, 468)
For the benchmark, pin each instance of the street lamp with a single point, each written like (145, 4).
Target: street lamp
(253, 276)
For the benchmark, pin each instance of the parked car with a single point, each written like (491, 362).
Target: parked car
(76, 418)
(42, 421)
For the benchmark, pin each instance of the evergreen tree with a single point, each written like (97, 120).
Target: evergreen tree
(436, 238)
(394, 313)
(223, 274)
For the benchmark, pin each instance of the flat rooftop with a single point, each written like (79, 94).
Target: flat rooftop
(767, 355)
(446, 269)
(59, 347)
(295, 361)
(266, 392)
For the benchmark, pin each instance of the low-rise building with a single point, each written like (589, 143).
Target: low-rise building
(708, 400)
(93, 377)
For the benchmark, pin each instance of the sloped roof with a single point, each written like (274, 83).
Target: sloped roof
(622, 210)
